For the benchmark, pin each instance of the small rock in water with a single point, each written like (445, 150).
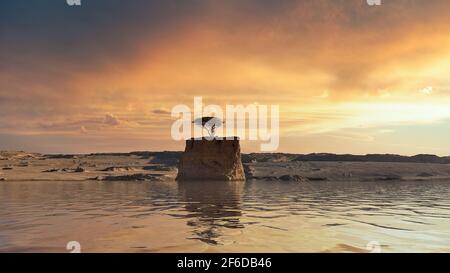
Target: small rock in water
(79, 170)
(60, 156)
(288, 177)
(133, 177)
(52, 171)
(317, 178)
(265, 178)
(69, 170)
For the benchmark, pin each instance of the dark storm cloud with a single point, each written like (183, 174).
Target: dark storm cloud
(95, 31)
(101, 32)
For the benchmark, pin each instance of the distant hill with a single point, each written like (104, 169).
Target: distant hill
(279, 157)
(171, 157)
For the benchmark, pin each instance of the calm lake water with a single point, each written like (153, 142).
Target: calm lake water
(225, 217)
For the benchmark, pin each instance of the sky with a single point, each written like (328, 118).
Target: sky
(104, 76)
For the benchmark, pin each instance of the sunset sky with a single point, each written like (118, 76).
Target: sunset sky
(103, 77)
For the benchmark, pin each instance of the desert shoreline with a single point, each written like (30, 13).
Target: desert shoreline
(162, 166)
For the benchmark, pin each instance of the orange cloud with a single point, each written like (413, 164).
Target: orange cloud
(330, 65)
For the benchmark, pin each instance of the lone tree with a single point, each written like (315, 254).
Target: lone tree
(209, 123)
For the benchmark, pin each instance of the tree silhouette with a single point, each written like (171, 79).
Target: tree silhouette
(209, 123)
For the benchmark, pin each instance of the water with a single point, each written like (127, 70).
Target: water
(225, 217)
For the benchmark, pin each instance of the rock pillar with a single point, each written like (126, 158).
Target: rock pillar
(211, 160)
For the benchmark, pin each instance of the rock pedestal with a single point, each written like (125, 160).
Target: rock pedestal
(211, 160)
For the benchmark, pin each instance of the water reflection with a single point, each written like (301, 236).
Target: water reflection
(255, 216)
(212, 206)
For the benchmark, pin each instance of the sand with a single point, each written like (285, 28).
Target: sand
(36, 167)
(152, 166)
(348, 171)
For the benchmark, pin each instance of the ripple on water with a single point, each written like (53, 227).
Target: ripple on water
(264, 216)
